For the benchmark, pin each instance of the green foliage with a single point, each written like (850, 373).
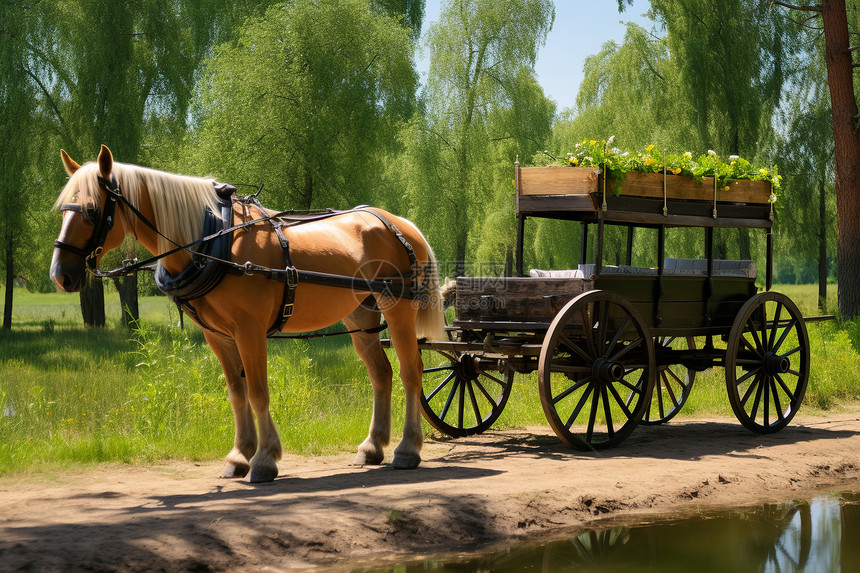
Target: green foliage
(307, 100)
(481, 101)
(601, 154)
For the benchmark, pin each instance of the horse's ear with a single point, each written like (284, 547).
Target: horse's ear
(105, 162)
(70, 164)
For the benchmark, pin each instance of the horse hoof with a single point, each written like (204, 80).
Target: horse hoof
(262, 475)
(405, 461)
(232, 470)
(365, 459)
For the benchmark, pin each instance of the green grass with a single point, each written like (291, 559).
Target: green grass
(72, 395)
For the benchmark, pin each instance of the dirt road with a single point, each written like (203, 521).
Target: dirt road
(468, 494)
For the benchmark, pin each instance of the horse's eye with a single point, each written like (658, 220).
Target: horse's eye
(90, 213)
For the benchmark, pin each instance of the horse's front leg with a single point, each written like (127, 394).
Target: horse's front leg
(245, 440)
(369, 349)
(251, 343)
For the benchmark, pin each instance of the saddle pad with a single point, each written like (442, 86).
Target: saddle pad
(203, 274)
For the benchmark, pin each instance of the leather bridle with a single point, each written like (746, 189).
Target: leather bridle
(103, 223)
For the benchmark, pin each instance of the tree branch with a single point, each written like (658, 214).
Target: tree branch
(795, 7)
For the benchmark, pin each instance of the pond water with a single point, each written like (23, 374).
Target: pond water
(822, 535)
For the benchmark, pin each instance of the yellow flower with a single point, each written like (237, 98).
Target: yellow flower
(763, 171)
(574, 161)
(649, 161)
(592, 142)
(726, 188)
(650, 148)
(676, 171)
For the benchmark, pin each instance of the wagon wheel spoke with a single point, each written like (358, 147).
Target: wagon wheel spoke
(665, 374)
(602, 325)
(576, 411)
(484, 391)
(744, 378)
(448, 402)
(785, 387)
(755, 350)
(438, 368)
(440, 386)
(784, 334)
(461, 403)
(571, 390)
(624, 351)
(759, 346)
(618, 334)
(607, 411)
(618, 401)
(753, 386)
(475, 408)
(774, 326)
(592, 415)
(776, 403)
(568, 343)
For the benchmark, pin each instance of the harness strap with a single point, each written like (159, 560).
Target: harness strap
(291, 280)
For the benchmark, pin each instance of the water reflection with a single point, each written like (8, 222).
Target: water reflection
(818, 536)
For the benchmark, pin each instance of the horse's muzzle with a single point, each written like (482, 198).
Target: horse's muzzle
(68, 272)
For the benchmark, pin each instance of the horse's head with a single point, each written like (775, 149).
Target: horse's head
(88, 203)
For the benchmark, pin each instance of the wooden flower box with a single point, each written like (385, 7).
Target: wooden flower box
(570, 192)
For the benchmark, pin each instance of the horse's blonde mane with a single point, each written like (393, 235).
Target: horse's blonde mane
(179, 202)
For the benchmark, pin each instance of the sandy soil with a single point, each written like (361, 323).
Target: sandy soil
(499, 488)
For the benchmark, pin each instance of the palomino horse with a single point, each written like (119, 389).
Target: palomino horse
(236, 315)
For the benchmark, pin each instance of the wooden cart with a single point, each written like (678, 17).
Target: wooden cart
(616, 345)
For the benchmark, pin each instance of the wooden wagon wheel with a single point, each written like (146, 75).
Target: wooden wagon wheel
(672, 383)
(596, 370)
(767, 362)
(458, 397)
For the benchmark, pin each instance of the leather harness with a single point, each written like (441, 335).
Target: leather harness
(212, 261)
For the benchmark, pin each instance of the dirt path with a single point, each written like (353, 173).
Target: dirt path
(468, 494)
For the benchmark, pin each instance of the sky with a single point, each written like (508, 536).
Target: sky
(581, 27)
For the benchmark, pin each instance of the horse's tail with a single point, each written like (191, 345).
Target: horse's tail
(430, 323)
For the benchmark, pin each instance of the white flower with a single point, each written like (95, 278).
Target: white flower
(734, 157)
(712, 153)
(610, 140)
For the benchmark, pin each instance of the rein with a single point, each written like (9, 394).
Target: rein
(290, 275)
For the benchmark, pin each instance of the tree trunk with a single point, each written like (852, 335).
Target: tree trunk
(744, 247)
(128, 301)
(93, 302)
(822, 246)
(847, 154)
(10, 284)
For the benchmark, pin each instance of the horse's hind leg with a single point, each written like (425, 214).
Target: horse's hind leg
(369, 349)
(401, 324)
(245, 441)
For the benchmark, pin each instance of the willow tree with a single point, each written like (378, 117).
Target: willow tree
(118, 73)
(482, 56)
(17, 100)
(307, 101)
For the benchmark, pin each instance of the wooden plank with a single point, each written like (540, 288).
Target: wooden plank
(557, 180)
(552, 204)
(688, 188)
(527, 299)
